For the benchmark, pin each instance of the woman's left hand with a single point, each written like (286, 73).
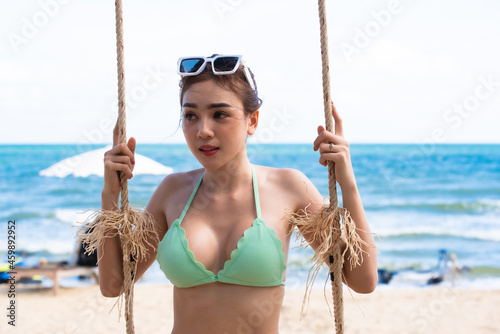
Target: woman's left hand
(333, 147)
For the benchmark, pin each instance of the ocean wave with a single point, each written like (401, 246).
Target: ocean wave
(66, 216)
(28, 215)
(484, 271)
(426, 232)
(47, 247)
(72, 216)
(477, 206)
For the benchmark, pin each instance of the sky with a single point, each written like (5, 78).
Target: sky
(402, 71)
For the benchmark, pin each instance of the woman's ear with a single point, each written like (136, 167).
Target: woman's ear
(253, 121)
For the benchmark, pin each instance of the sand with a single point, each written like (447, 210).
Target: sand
(429, 310)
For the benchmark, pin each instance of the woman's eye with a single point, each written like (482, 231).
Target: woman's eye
(219, 114)
(189, 116)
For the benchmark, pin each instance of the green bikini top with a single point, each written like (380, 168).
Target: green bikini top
(258, 259)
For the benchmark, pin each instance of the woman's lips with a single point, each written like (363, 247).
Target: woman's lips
(208, 150)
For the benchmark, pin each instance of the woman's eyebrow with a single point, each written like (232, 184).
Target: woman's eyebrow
(218, 105)
(190, 105)
(209, 106)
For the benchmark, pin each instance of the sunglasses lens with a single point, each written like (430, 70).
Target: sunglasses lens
(225, 64)
(191, 65)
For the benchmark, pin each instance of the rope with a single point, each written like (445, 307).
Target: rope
(128, 267)
(121, 94)
(134, 226)
(336, 262)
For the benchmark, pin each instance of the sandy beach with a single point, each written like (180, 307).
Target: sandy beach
(429, 310)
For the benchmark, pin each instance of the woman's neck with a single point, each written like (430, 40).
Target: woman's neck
(230, 178)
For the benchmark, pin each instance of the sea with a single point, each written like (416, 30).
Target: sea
(422, 202)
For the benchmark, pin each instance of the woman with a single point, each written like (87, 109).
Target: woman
(224, 238)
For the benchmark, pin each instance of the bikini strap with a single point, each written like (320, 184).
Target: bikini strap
(256, 192)
(188, 204)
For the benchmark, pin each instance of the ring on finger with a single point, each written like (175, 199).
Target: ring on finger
(331, 147)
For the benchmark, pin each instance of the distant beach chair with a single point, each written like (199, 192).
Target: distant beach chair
(80, 264)
(55, 272)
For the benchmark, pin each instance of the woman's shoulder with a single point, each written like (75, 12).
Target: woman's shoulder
(283, 177)
(176, 181)
(290, 182)
(175, 185)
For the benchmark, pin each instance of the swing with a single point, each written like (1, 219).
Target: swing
(136, 227)
(319, 224)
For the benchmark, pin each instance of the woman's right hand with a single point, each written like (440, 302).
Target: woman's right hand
(121, 158)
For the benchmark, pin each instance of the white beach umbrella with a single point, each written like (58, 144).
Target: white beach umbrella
(91, 163)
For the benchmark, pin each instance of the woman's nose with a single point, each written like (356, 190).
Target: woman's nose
(205, 130)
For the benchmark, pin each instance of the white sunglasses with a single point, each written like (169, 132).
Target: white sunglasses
(221, 65)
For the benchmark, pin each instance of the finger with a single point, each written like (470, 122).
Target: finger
(119, 159)
(331, 148)
(336, 157)
(321, 128)
(326, 138)
(325, 148)
(132, 143)
(119, 166)
(323, 137)
(322, 161)
(318, 139)
(339, 130)
(121, 150)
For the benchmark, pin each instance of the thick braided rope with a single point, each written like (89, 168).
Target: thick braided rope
(336, 266)
(128, 267)
(121, 94)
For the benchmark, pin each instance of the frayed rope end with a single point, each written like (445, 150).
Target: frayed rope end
(323, 226)
(137, 232)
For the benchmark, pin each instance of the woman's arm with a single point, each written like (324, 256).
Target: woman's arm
(364, 277)
(121, 158)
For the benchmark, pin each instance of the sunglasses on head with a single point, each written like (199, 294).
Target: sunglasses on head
(221, 65)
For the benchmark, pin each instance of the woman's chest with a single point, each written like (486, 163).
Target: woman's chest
(215, 228)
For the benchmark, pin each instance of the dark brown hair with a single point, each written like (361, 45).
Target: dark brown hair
(236, 83)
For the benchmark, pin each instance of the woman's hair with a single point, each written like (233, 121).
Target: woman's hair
(236, 83)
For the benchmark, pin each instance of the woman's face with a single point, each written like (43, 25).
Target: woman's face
(215, 125)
